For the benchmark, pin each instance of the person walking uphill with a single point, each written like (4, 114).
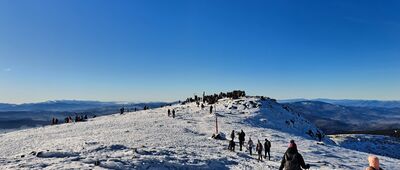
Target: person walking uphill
(292, 159)
(373, 163)
(250, 146)
(267, 147)
(259, 150)
(241, 139)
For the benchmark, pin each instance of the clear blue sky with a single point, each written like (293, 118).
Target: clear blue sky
(168, 50)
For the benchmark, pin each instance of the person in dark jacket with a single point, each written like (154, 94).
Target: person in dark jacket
(169, 113)
(233, 134)
(173, 113)
(122, 110)
(267, 148)
(241, 139)
(211, 109)
(259, 150)
(292, 159)
(231, 146)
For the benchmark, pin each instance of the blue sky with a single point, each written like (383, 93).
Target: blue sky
(168, 50)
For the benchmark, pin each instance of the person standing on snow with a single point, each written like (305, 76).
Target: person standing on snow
(169, 113)
(292, 159)
(241, 139)
(173, 113)
(211, 109)
(259, 150)
(267, 147)
(373, 163)
(233, 134)
(122, 110)
(231, 146)
(250, 146)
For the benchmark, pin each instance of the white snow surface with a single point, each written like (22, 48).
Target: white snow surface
(152, 140)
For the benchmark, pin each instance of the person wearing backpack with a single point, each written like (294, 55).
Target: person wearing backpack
(267, 147)
(292, 159)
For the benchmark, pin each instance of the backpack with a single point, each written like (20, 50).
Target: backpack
(292, 164)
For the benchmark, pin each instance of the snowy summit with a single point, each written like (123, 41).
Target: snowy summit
(150, 139)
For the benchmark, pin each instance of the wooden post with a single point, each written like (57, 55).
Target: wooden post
(216, 123)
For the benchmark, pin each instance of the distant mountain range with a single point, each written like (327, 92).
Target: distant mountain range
(334, 118)
(64, 105)
(16, 116)
(350, 102)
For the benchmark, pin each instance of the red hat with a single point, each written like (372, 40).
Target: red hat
(292, 144)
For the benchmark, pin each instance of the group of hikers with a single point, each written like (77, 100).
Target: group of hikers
(123, 109)
(69, 119)
(291, 160)
(173, 113)
(266, 147)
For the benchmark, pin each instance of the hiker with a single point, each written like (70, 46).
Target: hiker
(259, 150)
(122, 110)
(319, 136)
(211, 109)
(267, 147)
(169, 113)
(292, 159)
(52, 121)
(173, 113)
(250, 145)
(56, 121)
(373, 163)
(202, 106)
(241, 139)
(233, 134)
(231, 146)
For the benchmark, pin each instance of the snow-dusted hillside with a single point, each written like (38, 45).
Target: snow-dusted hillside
(151, 140)
(375, 144)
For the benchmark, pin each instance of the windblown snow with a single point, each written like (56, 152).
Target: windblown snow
(152, 140)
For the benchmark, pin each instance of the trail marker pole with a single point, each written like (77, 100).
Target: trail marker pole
(216, 123)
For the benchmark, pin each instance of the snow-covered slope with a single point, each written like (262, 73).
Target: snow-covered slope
(376, 144)
(151, 140)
